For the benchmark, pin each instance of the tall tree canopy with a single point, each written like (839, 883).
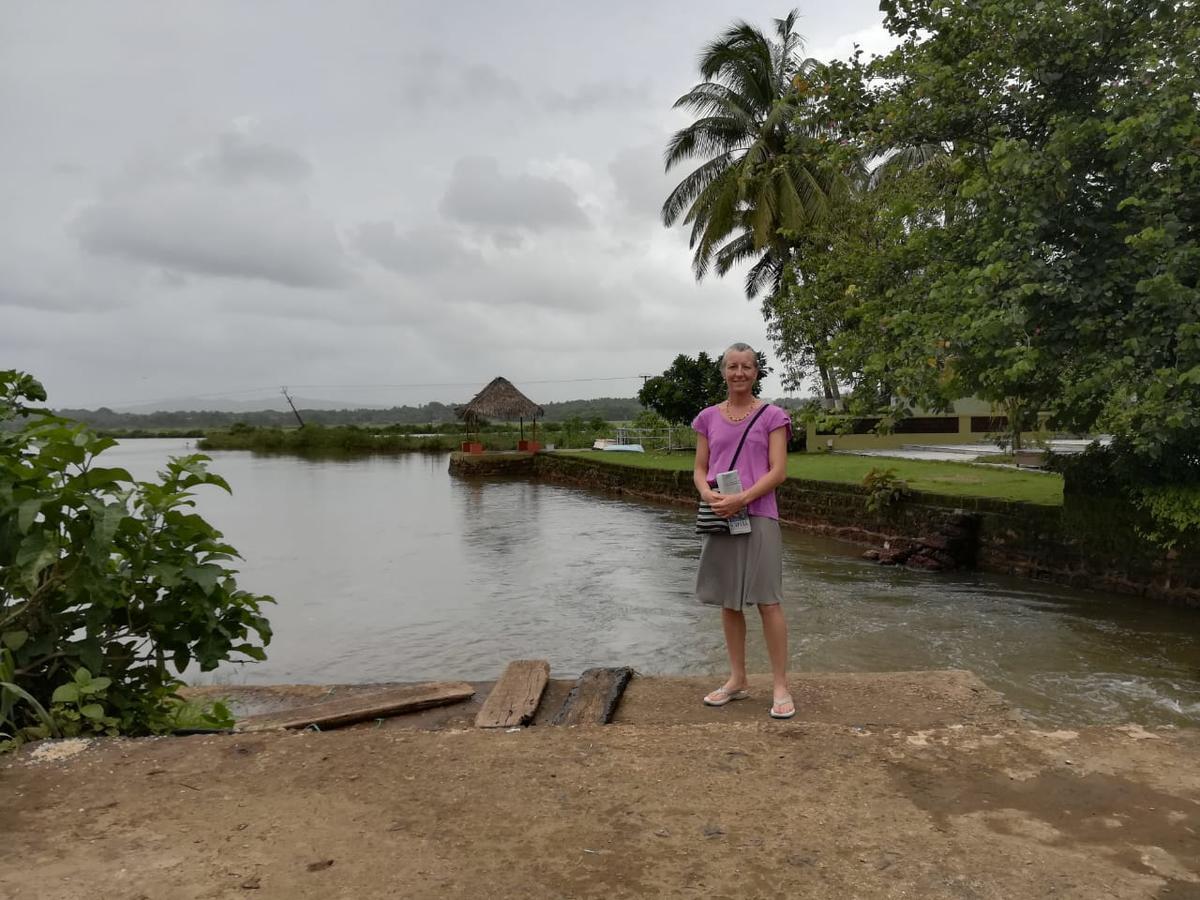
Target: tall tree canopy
(1059, 254)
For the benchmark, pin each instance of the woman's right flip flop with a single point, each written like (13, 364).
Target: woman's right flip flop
(783, 707)
(720, 696)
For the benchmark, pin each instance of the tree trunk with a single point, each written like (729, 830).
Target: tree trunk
(1015, 415)
(830, 386)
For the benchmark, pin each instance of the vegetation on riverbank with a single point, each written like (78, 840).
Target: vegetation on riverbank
(142, 433)
(432, 416)
(357, 440)
(343, 439)
(110, 588)
(951, 478)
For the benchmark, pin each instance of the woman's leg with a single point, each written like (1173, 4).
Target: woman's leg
(775, 633)
(734, 623)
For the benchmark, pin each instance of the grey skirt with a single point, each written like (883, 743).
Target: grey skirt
(738, 570)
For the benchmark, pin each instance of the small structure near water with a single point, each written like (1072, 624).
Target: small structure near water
(499, 400)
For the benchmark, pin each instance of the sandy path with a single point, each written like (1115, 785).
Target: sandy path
(723, 808)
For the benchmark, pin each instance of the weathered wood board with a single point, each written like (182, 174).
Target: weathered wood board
(594, 698)
(340, 711)
(516, 695)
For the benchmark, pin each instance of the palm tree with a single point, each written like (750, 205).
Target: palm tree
(749, 189)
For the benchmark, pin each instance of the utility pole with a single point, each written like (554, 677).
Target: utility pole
(295, 411)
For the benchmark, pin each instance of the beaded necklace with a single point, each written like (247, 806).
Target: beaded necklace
(735, 419)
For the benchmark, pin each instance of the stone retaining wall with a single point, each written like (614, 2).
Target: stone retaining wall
(1088, 546)
(508, 463)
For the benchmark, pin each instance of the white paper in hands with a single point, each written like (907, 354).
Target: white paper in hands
(730, 483)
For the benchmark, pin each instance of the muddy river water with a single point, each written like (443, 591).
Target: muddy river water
(389, 569)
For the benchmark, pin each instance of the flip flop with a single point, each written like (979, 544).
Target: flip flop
(720, 696)
(781, 703)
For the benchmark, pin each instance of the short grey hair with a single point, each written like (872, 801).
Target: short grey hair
(739, 347)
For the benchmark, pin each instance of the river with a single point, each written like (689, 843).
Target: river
(389, 569)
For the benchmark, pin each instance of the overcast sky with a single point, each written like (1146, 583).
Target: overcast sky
(374, 201)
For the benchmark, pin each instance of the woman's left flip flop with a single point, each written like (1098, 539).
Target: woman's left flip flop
(781, 704)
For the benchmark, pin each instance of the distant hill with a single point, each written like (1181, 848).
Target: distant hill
(317, 412)
(272, 404)
(611, 409)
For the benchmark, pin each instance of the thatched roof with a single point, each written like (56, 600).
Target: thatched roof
(500, 400)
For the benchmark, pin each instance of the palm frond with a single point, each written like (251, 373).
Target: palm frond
(705, 137)
(693, 186)
(720, 205)
(737, 249)
(710, 98)
(766, 270)
(907, 159)
(743, 59)
(787, 48)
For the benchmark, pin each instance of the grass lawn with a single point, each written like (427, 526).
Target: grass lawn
(954, 478)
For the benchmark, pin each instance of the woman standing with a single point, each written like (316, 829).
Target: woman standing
(737, 570)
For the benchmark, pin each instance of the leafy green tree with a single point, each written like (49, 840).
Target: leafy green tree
(649, 420)
(1042, 253)
(689, 385)
(109, 587)
(1061, 264)
(852, 280)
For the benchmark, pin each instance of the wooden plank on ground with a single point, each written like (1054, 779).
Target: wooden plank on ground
(516, 695)
(595, 696)
(341, 711)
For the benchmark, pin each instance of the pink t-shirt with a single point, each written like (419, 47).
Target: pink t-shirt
(753, 463)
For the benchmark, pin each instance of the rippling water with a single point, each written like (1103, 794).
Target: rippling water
(388, 569)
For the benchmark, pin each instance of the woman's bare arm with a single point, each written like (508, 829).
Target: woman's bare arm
(700, 471)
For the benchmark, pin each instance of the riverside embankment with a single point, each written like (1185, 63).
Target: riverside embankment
(885, 785)
(1082, 543)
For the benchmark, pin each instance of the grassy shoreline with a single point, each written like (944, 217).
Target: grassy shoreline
(948, 478)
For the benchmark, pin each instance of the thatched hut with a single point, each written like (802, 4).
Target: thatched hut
(500, 400)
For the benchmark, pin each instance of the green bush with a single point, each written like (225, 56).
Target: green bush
(109, 587)
(1161, 497)
(884, 489)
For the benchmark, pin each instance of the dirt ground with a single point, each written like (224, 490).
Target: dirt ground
(917, 785)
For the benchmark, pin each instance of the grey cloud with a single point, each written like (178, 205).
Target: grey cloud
(64, 284)
(188, 227)
(43, 301)
(435, 81)
(641, 183)
(507, 239)
(481, 82)
(594, 96)
(418, 251)
(233, 211)
(239, 158)
(479, 194)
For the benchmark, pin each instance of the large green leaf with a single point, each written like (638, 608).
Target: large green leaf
(27, 512)
(66, 693)
(36, 554)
